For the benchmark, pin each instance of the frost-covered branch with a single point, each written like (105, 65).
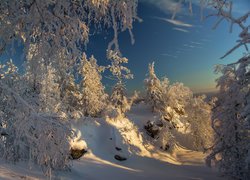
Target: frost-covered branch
(57, 25)
(223, 10)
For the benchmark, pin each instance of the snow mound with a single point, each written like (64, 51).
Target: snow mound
(77, 142)
(127, 136)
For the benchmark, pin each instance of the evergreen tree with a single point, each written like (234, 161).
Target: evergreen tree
(154, 94)
(49, 94)
(93, 95)
(118, 97)
(71, 97)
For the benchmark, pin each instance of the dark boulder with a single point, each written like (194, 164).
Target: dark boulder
(77, 153)
(152, 129)
(118, 149)
(120, 158)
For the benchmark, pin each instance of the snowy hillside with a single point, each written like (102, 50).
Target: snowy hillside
(127, 138)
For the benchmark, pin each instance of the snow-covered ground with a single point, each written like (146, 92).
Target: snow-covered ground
(144, 161)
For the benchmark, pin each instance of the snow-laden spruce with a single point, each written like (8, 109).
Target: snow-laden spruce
(118, 101)
(94, 99)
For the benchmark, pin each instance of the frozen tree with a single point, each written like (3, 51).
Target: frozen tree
(173, 114)
(231, 148)
(118, 97)
(27, 134)
(70, 97)
(178, 112)
(93, 96)
(49, 94)
(43, 80)
(168, 100)
(10, 77)
(154, 94)
(53, 34)
(56, 26)
(199, 117)
(175, 100)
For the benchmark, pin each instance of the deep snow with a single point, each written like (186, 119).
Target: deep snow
(145, 162)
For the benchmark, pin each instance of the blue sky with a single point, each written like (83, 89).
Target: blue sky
(185, 50)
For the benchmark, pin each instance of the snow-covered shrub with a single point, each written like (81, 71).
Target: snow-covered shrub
(93, 96)
(230, 121)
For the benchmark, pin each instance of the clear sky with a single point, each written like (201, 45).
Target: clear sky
(186, 51)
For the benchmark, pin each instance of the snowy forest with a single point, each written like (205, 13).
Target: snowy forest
(59, 121)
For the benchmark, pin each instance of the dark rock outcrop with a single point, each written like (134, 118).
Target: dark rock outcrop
(77, 153)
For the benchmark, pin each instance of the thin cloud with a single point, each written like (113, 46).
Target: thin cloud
(175, 22)
(192, 46)
(206, 40)
(184, 50)
(189, 46)
(182, 30)
(167, 6)
(178, 51)
(197, 43)
(169, 55)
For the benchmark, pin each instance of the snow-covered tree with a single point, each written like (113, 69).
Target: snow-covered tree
(70, 97)
(93, 96)
(199, 117)
(154, 94)
(175, 100)
(168, 100)
(49, 94)
(230, 112)
(8, 77)
(118, 97)
(26, 134)
(230, 121)
(63, 25)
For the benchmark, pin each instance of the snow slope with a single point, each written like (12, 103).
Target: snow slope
(144, 162)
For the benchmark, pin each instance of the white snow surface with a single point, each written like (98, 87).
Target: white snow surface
(144, 161)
